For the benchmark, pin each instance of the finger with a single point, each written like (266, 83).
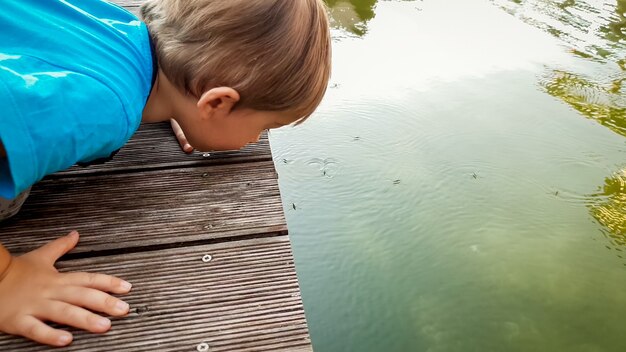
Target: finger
(102, 282)
(52, 251)
(67, 314)
(180, 136)
(92, 299)
(34, 329)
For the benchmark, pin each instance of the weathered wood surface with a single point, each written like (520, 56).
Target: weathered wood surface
(245, 299)
(129, 3)
(152, 208)
(155, 147)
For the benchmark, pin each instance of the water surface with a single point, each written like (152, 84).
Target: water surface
(463, 185)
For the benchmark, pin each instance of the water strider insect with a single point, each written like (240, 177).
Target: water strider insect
(396, 182)
(293, 205)
(475, 174)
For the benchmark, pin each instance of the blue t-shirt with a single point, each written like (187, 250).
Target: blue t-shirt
(74, 78)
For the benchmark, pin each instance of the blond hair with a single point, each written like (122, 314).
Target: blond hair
(275, 53)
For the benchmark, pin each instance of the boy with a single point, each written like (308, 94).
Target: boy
(78, 76)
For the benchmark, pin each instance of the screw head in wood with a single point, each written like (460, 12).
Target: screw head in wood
(207, 258)
(203, 347)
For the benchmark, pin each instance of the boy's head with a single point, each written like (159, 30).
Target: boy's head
(273, 55)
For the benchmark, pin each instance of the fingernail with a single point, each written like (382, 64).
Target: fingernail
(64, 339)
(187, 146)
(73, 233)
(126, 285)
(104, 322)
(122, 306)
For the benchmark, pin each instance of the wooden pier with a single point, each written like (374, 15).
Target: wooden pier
(203, 240)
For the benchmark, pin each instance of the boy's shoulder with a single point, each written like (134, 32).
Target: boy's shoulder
(88, 37)
(74, 78)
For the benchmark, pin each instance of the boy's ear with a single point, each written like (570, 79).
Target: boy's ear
(217, 102)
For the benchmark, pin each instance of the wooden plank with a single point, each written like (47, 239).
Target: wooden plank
(128, 3)
(151, 208)
(245, 299)
(155, 147)
(133, 9)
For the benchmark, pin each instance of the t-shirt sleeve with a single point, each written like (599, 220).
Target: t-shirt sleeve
(51, 119)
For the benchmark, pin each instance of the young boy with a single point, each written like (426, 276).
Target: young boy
(77, 77)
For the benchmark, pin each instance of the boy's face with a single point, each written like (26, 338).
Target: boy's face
(213, 123)
(233, 131)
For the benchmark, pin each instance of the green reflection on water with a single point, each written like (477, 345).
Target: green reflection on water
(610, 210)
(601, 102)
(615, 30)
(351, 15)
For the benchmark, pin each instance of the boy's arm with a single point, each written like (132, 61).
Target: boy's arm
(32, 291)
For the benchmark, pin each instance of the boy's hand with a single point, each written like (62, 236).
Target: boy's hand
(32, 292)
(180, 135)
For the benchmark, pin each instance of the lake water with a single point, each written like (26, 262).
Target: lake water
(463, 185)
